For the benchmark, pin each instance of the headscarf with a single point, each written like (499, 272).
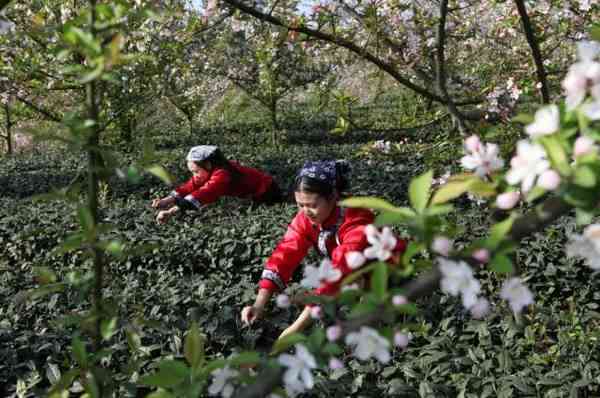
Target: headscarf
(201, 152)
(325, 171)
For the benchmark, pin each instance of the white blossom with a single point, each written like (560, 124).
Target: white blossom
(368, 343)
(582, 74)
(382, 243)
(546, 121)
(355, 259)
(298, 377)
(313, 276)
(529, 163)
(220, 384)
(483, 158)
(517, 294)
(457, 278)
(283, 301)
(586, 246)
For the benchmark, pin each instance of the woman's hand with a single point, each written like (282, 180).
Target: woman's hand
(163, 203)
(251, 313)
(164, 215)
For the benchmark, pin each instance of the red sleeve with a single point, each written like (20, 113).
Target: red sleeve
(186, 188)
(216, 186)
(352, 238)
(287, 255)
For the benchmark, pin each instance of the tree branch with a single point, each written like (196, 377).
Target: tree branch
(535, 50)
(385, 66)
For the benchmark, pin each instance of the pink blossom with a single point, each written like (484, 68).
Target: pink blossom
(583, 146)
(316, 312)
(481, 255)
(441, 245)
(401, 339)
(549, 180)
(335, 364)
(508, 200)
(333, 333)
(399, 299)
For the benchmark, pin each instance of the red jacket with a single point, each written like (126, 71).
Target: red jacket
(205, 189)
(302, 234)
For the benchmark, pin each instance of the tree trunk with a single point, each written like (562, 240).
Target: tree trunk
(274, 125)
(94, 165)
(9, 147)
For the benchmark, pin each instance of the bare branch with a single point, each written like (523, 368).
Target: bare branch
(535, 50)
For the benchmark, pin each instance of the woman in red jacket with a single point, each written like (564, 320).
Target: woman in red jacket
(214, 176)
(320, 223)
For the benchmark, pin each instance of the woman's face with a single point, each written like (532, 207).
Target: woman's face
(196, 170)
(314, 206)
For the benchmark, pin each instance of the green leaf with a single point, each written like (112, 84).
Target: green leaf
(585, 177)
(245, 358)
(418, 191)
(86, 220)
(286, 342)
(501, 264)
(160, 393)
(583, 217)
(595, 33)
(79, 352)
(193, 346)
(523, 118)
(369, 202)
(439, 210)
(108, 327)
(557, 155)
(498, 232)
(452, 190)
(412, 250)
(358, 274)
(379, 281)
(316, 339)
(161, 173)
(93, 74)
(170, 374)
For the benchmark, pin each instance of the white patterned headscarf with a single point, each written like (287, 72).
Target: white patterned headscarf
(323, 170)
(201, 152)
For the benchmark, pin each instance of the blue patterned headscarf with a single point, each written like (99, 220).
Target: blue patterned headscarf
(323, 170)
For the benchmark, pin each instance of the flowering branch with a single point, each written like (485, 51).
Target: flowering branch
(385, 66)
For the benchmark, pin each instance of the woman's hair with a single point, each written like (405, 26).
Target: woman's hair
(219, 161)
(325, 188)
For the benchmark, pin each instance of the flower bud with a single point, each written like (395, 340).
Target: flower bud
(441, 245)
(399, 300)
(401, 339)
(315, 312)
(549, 180)
(333, 333)
(481, 255)
(480, 309)
(507, 200)
(282, 301)
(583, 146)
(335, 364)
